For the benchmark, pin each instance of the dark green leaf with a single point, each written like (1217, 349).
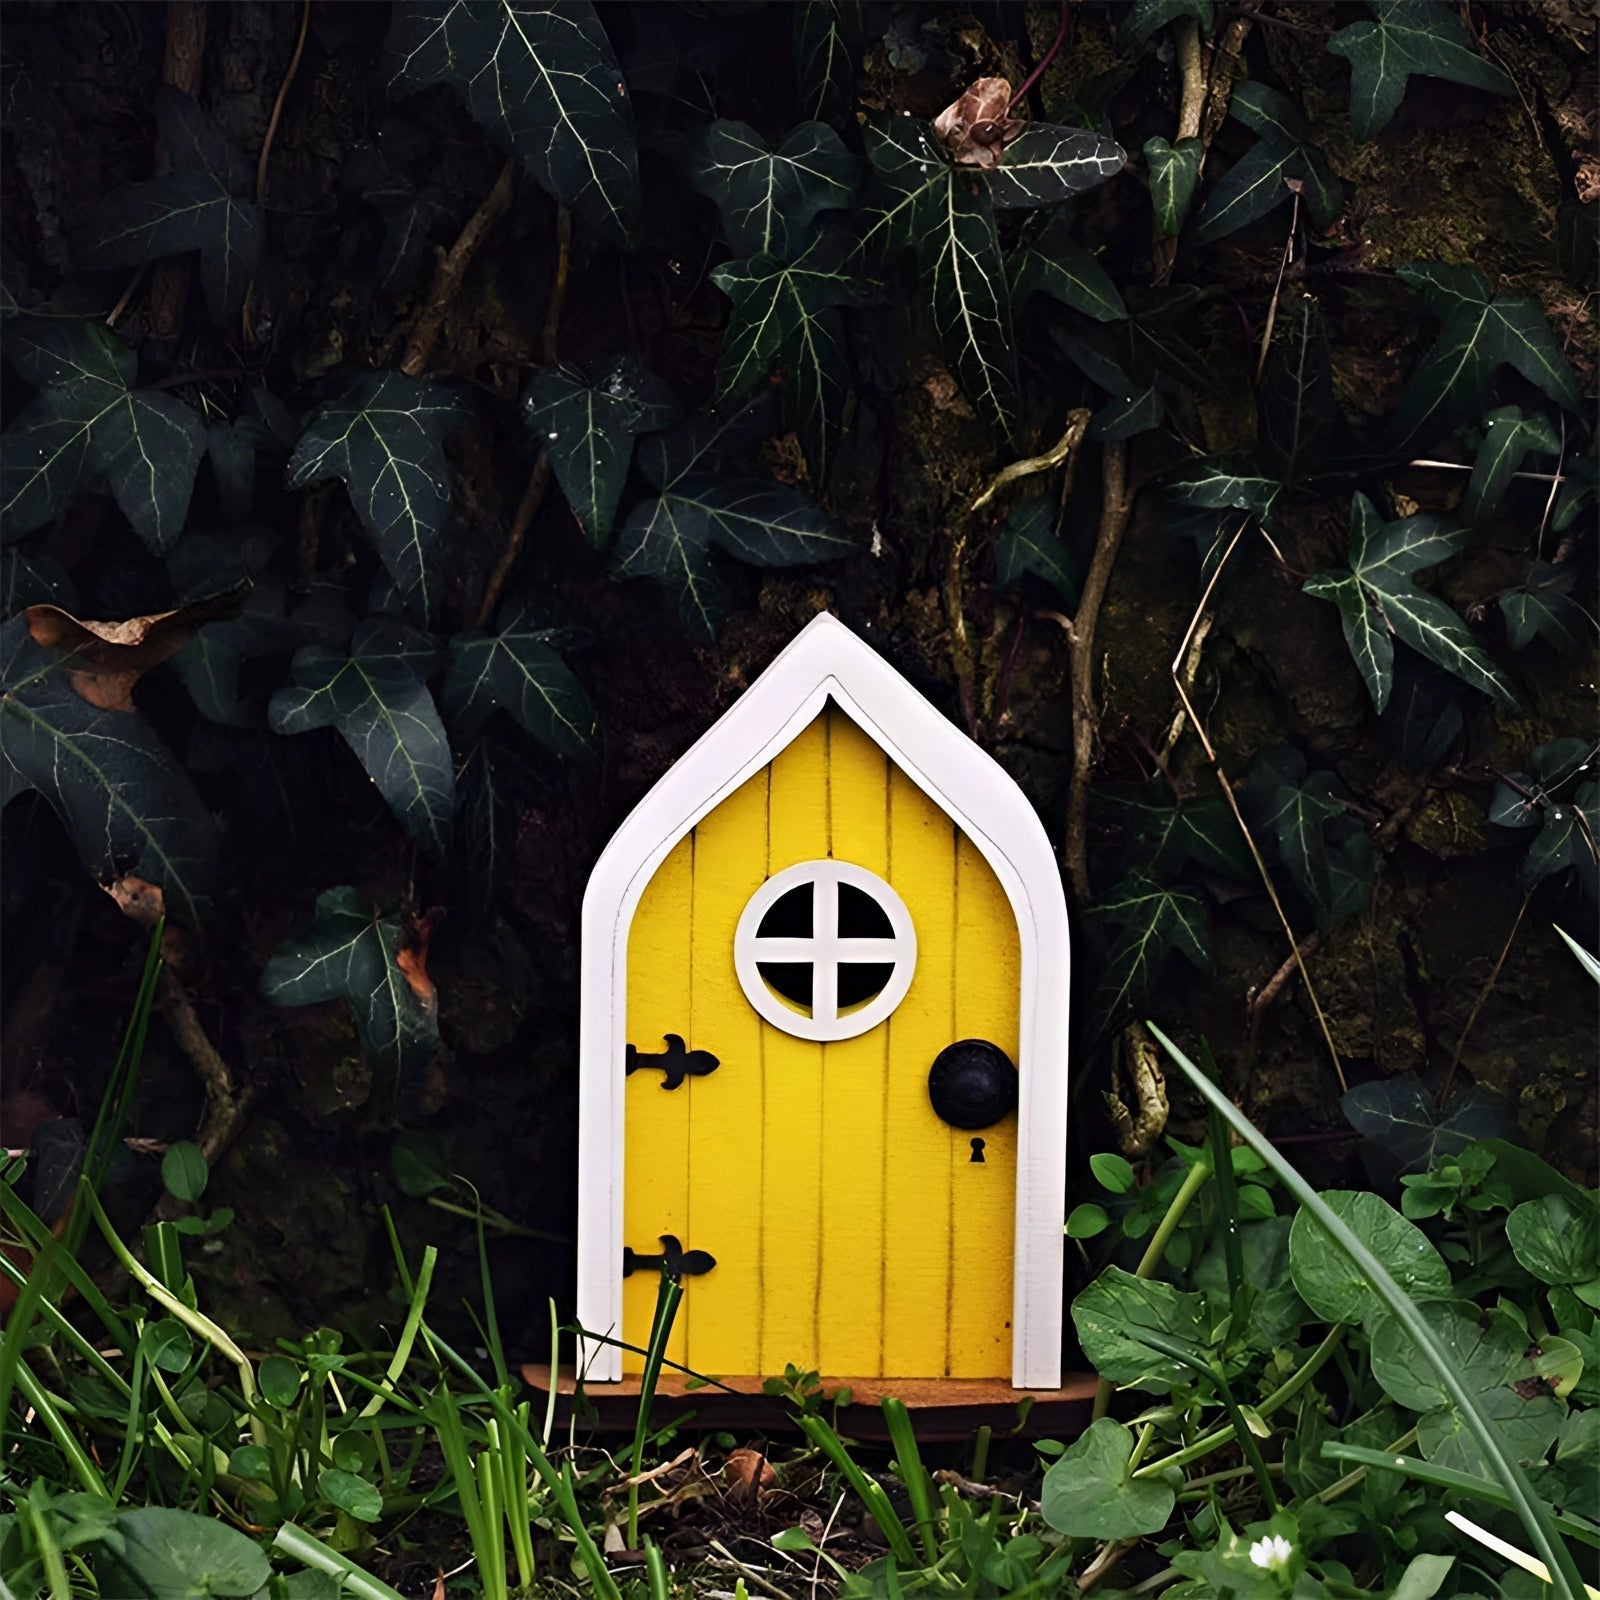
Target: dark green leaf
(1556, 1239)
(179, 1555)
(1220, 484)
(1153, 921)
(1174, 172)
(127, 804)
(1567, 830)
(589, 432)
(386, 443)
(232, 447)
(1479, 333)
(1544, 607)
(1371, 646)
(1125, 414)
(542, 81)
(184, 1171)
(1113, 1172)
(1508, 439)
(349, 953)
(1090, 1493)
(1057, 265)
(1164, 835)
(1087, 1221)
(827, 37)
(1424, 36)
(1144, 18)
(518, 670)
(166, 1344)
(770, 199)
(786, 312)
(706, 439)
(30, 580)
(280, 1380)
(1028, 543)
(757, 521)
(148, 444)
(497, 778)
(1254, 185)
(377, 697)
(1268, 113)
(1331, 1283)
(200, 205)
(1045, 165)
(1400, 1115)
(420, 1160)
(351, 1494)
(1117, 1301)
(1298, 412)
(1295, 814)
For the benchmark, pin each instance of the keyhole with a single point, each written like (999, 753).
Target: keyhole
(977, 1150)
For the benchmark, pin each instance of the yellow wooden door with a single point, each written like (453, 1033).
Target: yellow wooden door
(854, 1233)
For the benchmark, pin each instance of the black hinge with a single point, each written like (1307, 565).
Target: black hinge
(676, 1062)
(674, 1260)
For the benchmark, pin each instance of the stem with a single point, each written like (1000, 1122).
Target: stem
(1049, 56)
(277, 105)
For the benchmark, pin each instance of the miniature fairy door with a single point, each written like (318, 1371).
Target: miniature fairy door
(854, 1230)
(825, 992)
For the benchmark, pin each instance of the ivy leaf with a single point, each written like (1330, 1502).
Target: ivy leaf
(409, 213)
(1165, 835)
(1028, 543)
(87, 421)
(1117, 1301)
(1221, 484)
(763, 523)
(1258, 181)
(30, 580)
(1377, 593)
(495, 778)
(1174, 172)
(787, 312)
(770, 199)
(518, 670)
(1143, 18)
(1125, 415)
(1544, 607)
(1153, 921)
(1298, 414)
(1057, 265)
(1479, 333)
(1401, 1117)
(128, 806)
(826, 37)
(1090, 1492)
(1045, 165)
(1422, 36)
(1509, 438)
(350, 953)
(1565, 840)
(589, 430)
(377, 697)
(199, 205)
(386, 443)
(1293, 808)
(542, 82)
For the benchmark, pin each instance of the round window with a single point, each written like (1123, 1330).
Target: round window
(825, 950)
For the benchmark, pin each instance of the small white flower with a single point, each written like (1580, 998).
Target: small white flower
(1272, 1553)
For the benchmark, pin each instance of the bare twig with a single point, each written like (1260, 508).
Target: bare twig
(1191, 76)
(1277, 288)
(277, 105)
(1261, 998)
(451, 270)
(1191, 670)
(1116, 507)
(1483, 995)
(1058, 454)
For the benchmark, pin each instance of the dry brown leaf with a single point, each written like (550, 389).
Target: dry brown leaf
(412, 956)
(142, 901)
(748, 1474)
(976, 128)
(108, 658)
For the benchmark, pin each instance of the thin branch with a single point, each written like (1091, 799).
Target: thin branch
(1116, 507)
(1277, 289)
(277, 105)
(1044, 61)
(1057, 455)
(1483, 995)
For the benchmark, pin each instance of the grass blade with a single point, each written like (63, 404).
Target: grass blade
(1531, 1511)
(913, 1474)
(295, 1541)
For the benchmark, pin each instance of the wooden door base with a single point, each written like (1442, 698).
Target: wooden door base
(944, 1408)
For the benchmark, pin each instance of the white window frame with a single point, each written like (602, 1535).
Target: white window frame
(824, 662)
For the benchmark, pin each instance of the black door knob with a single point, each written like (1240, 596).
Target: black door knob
(972, 1084)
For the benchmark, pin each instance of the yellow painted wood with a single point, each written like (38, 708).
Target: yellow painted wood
(983, 1195)
(656, 1138)
(790, 1140)
(726, 1177)
(852, 1232)
(854, 1081)
(916, 1265)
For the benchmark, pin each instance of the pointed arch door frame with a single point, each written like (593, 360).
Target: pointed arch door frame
(824, 662)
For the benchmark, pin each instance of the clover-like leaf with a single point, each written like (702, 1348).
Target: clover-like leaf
(1057, 265)
(172, 1552)
(1028, 543)
(589, 430)
(200, 205)
(127, 804)
(1331, 1283)
(1479, 333)
(1174, 171)
(1543, 607)
(1509, 438)
(1376, 593)
(787, 312)
(377, 698)
(1409, 36)
(1090, 1492)
(519, 670)
(765, 524)
(541, 80)
(1556, 1238)
(770, 199)
(87, 421)
(385, 441)
(351, 953)
(1298, 414)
